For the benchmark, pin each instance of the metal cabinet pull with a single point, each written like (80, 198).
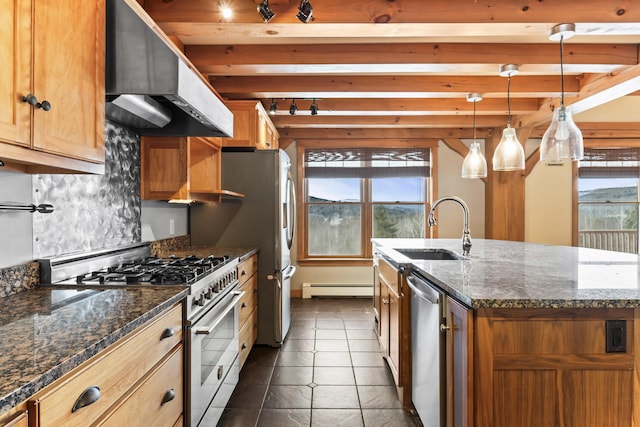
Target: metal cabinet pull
(33, 101)
(168, 396)
(244, 346)
(444, 328)
(243, 305)
(385, 300)
(89, 396)
(167, 333)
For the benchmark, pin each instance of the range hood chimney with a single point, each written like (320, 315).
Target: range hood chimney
(152, 88)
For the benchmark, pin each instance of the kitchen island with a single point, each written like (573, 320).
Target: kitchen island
(535, 334)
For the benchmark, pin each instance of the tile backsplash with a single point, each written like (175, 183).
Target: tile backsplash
(91, 211)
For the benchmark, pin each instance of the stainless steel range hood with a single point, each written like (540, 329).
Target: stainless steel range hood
(152, 88)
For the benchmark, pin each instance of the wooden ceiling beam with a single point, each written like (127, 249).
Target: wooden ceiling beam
(253, 87)
(597, 91)
(601, 130)
(405, 106)
(386, 12)
(399, 133)
(226, 59)
(386, 121)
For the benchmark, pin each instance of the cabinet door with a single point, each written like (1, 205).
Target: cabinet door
(15, 55)
(68, 72)
(163, 168)
(459, 353)
(384, 317)
(394, 334)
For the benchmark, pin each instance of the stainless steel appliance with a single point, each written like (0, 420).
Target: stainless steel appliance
(152, 87)
(264, 218)
(427, 351)
(211, 338)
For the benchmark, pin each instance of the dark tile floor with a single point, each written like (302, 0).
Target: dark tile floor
(329, 372)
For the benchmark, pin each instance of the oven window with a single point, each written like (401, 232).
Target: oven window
(214, 345)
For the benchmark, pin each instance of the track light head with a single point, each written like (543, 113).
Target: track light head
(265, 11)
(314, 108)
(293, 107)
(305, 11)
(273, 109)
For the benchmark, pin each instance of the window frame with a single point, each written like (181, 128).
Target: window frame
(366, 204)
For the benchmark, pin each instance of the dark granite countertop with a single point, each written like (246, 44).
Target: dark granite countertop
(509, 274)
(45, 332)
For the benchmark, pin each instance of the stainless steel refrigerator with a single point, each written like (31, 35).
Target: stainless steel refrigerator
(264, 218)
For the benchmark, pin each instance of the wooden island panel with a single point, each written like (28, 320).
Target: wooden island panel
(542, 367)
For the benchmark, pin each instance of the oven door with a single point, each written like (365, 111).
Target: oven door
(213, 365)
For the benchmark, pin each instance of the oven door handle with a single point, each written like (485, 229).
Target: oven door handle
(236, 297)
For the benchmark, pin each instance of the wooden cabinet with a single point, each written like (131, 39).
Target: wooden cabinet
(252, 127)
(52, 90)
(548, 367)
(248, 317)
(391, 328)
(459, 364)
(133, 376)
(181, 169)
(16, 417)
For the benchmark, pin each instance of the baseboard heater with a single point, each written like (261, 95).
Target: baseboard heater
(337, 290)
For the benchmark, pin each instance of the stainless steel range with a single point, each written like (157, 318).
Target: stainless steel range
(212, 369)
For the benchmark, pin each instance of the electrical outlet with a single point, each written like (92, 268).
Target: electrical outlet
(616, 336)
(172, 227)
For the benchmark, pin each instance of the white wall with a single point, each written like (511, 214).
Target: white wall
(548, 204)
(450, 183)
(157, 218)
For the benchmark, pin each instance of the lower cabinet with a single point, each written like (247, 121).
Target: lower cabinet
(394, 326)
(18, 417)
(136, 381)
(248, 317)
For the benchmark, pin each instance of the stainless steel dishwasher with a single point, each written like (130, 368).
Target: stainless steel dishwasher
(427, 351)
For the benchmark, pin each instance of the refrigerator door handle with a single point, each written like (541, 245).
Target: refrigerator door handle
(289, 272)
(276, 278)
(292, 210)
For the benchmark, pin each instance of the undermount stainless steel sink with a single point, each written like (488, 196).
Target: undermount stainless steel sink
(431, 254)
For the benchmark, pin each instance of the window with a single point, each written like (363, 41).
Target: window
(353, 194)
(608, 200)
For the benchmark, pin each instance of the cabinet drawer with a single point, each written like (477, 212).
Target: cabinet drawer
(156, 402)
(247, 336)
(389, 274)
(114, 373)
(248, 301)
(247, 268)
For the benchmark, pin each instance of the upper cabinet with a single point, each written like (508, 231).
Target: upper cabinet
(52, 89)
(252, 127)
(181, 169)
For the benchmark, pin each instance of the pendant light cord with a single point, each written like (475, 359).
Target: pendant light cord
(509, 100)
(561, 71)
(474, 120)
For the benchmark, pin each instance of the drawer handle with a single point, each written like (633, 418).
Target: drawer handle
(244, 346)
(169, 395)
(89, 396)
(385, 300)
(244, 273)
(167, 333)
(244, 305)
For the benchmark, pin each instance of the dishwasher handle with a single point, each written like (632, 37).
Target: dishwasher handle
(423, 289)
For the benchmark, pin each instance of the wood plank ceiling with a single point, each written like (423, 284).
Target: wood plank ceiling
(402, 68)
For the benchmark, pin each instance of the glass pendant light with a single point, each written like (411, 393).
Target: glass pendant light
(474, 164)
(509, 154)
(562, 142)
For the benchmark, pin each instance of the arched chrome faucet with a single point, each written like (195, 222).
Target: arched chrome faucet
(466, 235)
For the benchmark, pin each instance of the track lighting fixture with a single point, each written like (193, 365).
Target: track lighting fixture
(265, 11)
(509, 154)
(305, 11)
(293, 107)
(273, 109)
(562, 141)
(474, 164)
(314, 108)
